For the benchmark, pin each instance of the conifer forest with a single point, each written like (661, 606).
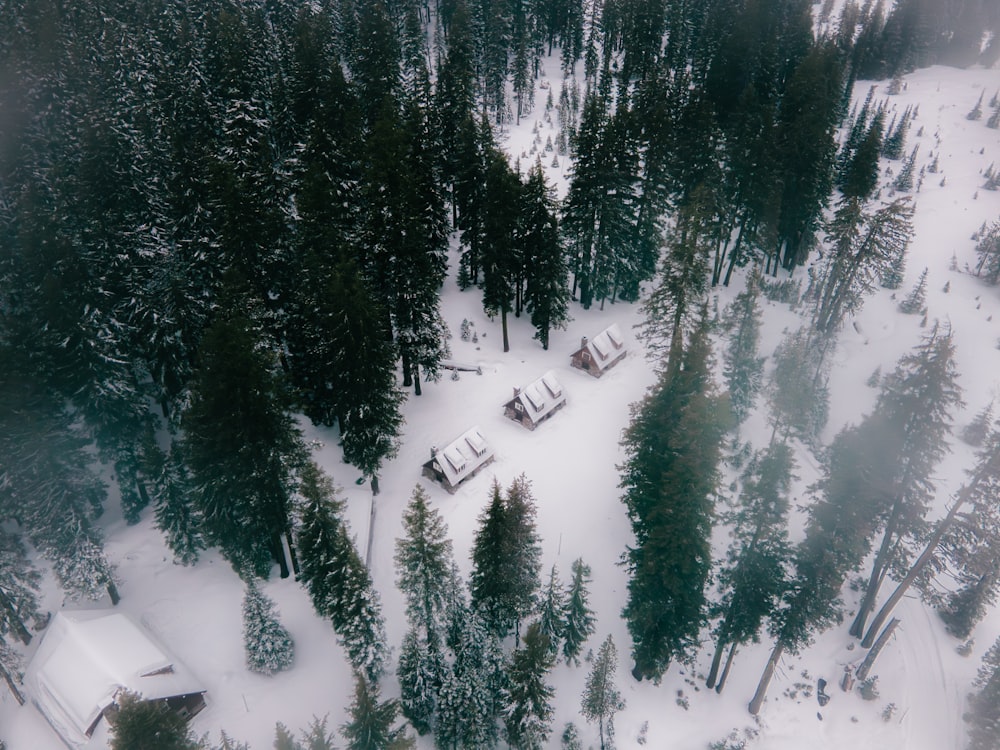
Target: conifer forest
(229, 226)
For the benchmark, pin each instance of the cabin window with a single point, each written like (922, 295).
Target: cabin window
(518, 407)
(586, 357)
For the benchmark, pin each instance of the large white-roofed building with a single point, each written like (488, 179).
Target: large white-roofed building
(87, 658)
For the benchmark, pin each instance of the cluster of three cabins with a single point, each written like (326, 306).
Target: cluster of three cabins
(464, 457)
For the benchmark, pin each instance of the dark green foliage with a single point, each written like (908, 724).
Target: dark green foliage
(335, 576)
(753, 578)
(501, 255)
(370, 723)
(149, 725)
(976, 431)
(966, 607)
(668, 479)
(915, 300)
(743, 369)
(506, 558)
(552, 612)
(578, 618)
(419, 672)
(546, 294)
(528, 700)
(988, 250)
(904, 180)
(797, 394)
(175, 514)
(864, 244)
(19, 583)
(269, 648)
(242, 447)
(983, 715)
(892, 276)
(859, 175)
(601, 699)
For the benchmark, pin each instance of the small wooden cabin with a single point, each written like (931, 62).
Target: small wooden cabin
(601, 353)
(460, 460)
(536, 402)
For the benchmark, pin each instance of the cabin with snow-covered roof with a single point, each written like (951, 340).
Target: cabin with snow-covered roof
(536, 402)
(460, 460)
(87, 658)
(601, 353)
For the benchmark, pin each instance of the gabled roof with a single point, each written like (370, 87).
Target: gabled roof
(463, 456)
(84, 660)
(606, 347)
(541, 397)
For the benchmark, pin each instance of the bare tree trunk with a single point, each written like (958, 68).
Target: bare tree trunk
(725, 669)
(416, 380)
(713, 672)
(872, 655)
(877, 574)
(9, 679)
(292, 557)
(503, 325)
(278, 552)
(113, 593)
(765, 679)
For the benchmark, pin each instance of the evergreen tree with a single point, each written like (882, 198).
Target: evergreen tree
(242, 447)
(915, 300)
(753, 577)
(967, 606)
(419, 672)
(743, 369)
(501, 256)
(472, 690)
(668, 479)
(601, 699)
(269, 647)
(546, 294)
(904, 180)
(335, 576)
(988, 250)
(148, 725)
(983, 716)
(859, 176)
(578, 617)
(506, 558)
(979, 428)
(424, 567)
(528, 700)
(797, 394)
(370, 726)
(911, 422)
(552, 612)
(864, 244)
(174, 512)
(19, 584)
(892, 148)
(892, 276)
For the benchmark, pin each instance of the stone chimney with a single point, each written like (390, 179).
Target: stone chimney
(583, 341)
(517, 391)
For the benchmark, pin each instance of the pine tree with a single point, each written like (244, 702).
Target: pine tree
(335, 576)
(578, 617)
(988, 250)
(977, 111)
(668, 479)
(546, 294)
(904, 180)
(148, 724)
(979, 428)
(601, 699)
(967, 606)
(506, 558)
(983, 716)
(753, 577)
(419, 672)
(424, 567)
(892, 276)
(915, 300)
(892, 148)
(552, 612)
(528, 700)
(864, 244)
(19, 586)
(911, 422)
(859, 176)
(797, 392)
(370, 726)
(242, 447)
(501, 256)
(743, 369)
(269, 647)
(174, 512)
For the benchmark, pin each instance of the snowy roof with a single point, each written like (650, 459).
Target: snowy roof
(462, 457)
(84, 660)
(606, 346)
(541, 397)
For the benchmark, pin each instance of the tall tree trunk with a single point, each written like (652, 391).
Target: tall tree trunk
(375, 489)
(713, 672)
(925, 557)
(9, 679)
(765, 679)
(878, 573)
(503, 325)
(872, 655)
(416, 380)
(113, 593)
(278, 553)
(407, 375)
(293, 558)
(725, 669)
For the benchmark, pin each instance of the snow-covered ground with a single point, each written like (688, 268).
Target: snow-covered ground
(571, 461)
